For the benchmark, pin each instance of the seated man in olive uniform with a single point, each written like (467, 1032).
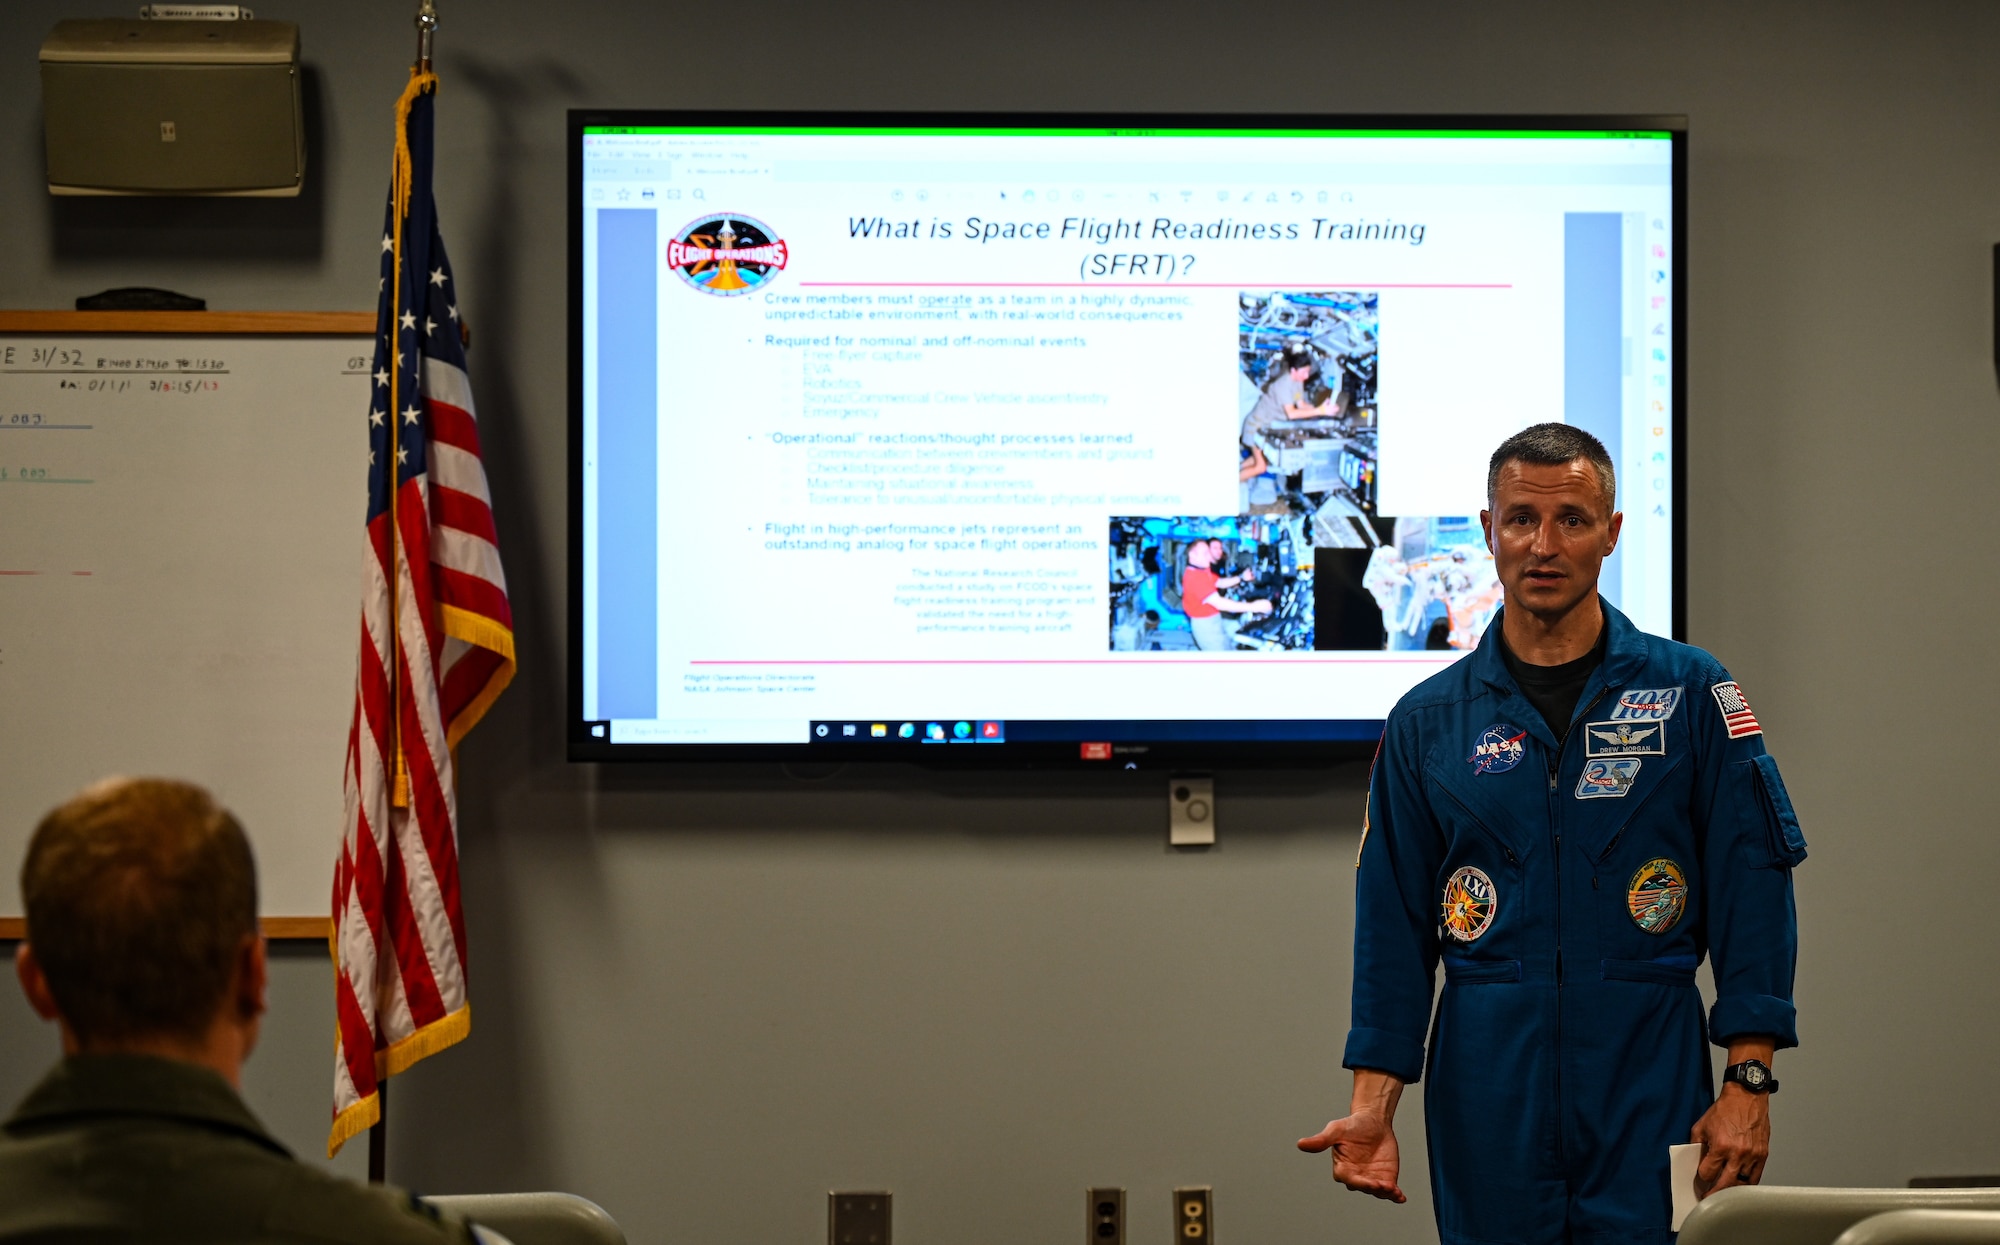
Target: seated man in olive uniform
(142, 946)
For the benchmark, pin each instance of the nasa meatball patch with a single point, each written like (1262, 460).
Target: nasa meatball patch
(1498, 749)
(1469, 905)
(1657, 895)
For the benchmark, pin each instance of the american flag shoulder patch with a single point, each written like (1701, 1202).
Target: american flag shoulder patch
(1736, 715)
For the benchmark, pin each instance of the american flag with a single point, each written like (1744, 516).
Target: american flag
(436, 648)
(1736, 713)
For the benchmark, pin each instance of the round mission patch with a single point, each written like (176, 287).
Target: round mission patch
(1498, 749)
(1469, 905)
(1657, 895)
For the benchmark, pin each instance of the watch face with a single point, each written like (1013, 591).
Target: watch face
(1753, 1075)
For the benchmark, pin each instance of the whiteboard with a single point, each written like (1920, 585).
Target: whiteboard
(181, 553)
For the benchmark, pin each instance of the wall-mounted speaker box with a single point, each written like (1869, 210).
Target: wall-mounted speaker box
(173, 108)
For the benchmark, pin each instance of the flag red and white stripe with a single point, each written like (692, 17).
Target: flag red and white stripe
(437, 647)
(1736, 715)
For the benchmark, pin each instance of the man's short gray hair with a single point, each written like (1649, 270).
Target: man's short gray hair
(1553, 445)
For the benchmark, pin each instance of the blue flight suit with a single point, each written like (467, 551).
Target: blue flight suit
(1570, 893)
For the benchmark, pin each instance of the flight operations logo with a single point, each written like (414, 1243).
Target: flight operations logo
(728, 254)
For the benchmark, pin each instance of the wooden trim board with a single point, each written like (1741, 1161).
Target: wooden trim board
(211, 323)
(276, 928)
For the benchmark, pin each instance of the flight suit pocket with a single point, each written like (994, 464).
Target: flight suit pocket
(1665, 972)
(1788, 841)
(1459, 972)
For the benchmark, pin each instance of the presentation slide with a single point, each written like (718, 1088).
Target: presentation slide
(961, 436)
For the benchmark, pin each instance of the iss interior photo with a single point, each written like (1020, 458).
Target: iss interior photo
(709, 992)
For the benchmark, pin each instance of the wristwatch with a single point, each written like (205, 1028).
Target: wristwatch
(1753, 1075)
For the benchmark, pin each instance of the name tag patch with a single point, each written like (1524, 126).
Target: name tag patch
(1646, 704)
(1498, 749)
(1624, 739)
(1469, 905)
(1607, 779)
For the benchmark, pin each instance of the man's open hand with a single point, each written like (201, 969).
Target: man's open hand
(1735, 1138)
(1365, 1158)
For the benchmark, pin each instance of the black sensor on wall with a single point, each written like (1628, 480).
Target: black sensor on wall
(1087, 441)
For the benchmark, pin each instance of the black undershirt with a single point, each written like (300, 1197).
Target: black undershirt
(1554, 690)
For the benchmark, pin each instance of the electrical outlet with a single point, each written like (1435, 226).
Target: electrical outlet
(1191, 811)
(1104, 1217)
(857, 1218)
(1194, 1215)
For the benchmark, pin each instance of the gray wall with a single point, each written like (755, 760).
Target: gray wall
(704, 998)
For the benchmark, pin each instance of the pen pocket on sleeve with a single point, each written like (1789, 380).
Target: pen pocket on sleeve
(1788, 841)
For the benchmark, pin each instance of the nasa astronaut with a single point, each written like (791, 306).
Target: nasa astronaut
(1569, 819)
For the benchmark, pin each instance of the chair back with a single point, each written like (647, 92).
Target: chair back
(537, 1218)
(1801, 1215)
(1926, 1227)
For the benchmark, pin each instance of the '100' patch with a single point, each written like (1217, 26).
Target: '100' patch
(1646, 704)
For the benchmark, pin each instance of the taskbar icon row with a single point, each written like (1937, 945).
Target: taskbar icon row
(950, 731)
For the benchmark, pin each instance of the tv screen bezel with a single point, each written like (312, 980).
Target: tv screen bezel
(1130, 754)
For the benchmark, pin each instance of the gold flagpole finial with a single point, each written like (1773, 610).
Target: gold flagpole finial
(427, 23)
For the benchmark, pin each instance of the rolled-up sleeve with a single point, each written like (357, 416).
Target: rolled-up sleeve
(1395, 914)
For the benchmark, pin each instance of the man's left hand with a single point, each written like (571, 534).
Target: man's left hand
(1735, 1139)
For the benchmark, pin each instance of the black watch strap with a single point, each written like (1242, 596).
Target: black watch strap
(1753, 1075)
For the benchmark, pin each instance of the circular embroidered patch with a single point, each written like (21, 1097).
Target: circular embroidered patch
(1498, 749)
(1657, 896)
(1469, 905)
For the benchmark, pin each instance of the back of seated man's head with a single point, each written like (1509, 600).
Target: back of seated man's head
(141, 903)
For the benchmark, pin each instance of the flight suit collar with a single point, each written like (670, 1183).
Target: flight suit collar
(1486, 796)
(86, 1086)
(1625, 653)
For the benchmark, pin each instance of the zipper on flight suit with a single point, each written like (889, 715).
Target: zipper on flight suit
(1555, 827)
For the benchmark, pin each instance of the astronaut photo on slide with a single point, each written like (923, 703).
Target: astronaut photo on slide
(1210, 583)
(1306, 410)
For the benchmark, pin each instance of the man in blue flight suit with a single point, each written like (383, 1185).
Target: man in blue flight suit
(1570, 819)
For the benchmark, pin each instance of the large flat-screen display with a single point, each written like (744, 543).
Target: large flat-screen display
(1094, 440)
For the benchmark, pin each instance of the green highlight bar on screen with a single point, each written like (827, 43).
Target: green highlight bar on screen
(1059, 132)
